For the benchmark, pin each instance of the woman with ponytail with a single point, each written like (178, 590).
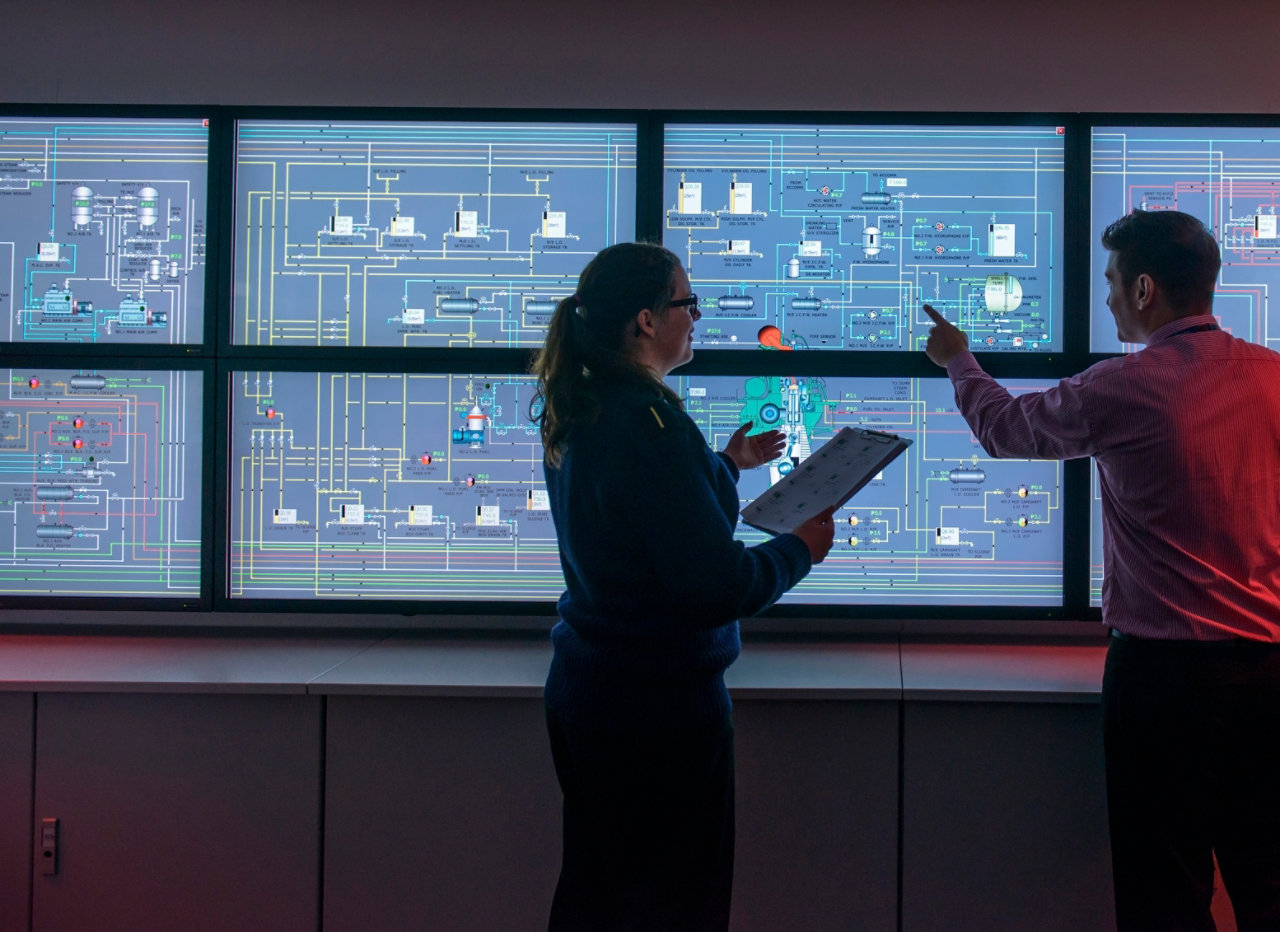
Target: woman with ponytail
(637, 710)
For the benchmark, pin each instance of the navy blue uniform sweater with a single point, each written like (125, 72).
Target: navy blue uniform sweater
(645, 513)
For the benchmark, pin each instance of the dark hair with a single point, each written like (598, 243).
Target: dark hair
(1173, 248)
(587, 339)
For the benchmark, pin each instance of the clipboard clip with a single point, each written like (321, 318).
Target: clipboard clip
(878, 435)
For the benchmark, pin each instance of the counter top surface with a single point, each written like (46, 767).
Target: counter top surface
(517, 667)
(61, 663)
(1002, 672)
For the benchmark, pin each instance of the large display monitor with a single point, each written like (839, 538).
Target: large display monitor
(420, 234)
(388, 485)
(944, 524)
(101, 490)
(815, 236)
(429, 487)
(1229, 177)
(103, 230)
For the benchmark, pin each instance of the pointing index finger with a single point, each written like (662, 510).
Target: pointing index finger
(937, 318)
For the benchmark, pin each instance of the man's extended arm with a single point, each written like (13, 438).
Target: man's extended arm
(1052, 424)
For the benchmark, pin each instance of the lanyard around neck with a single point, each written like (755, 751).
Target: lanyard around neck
(1196, 329)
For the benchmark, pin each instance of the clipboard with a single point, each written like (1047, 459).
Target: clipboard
(827, 477)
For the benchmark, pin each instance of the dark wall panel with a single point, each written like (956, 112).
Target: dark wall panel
(192, 812)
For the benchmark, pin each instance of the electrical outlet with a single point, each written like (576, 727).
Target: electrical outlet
(49, 846)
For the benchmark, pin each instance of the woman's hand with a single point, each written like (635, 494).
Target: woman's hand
(818, 533)
(750, 452)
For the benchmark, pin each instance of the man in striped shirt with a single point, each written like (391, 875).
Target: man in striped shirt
(1186, 437)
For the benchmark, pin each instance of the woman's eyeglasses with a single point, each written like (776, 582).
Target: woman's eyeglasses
(691, 303)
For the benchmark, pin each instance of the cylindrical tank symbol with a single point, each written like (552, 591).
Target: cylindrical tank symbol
(87, 383)
(878, 198)
(148, 207)
(806, 304)
(735, 302)
(55, 531)
(173, 269)
(539, 307)
(793, 267)
(153, 270)
(871, 241)
(82, 206)
(1002, 294)
(55, 493)
(967, 475)
(459, 305)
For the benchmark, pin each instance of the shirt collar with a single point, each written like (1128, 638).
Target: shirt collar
(1179, 324)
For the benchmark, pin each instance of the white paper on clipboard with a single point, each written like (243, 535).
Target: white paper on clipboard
(827, 477)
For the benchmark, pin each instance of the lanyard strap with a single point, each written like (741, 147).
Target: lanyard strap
(1196, 329)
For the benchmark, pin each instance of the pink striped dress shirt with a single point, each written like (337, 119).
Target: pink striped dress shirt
(1186, 435)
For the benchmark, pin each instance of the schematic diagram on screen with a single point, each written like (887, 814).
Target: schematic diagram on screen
(430, 487)
(421, 234)
(103, 230)
(388, 486)
(829, 237)
(1227, 177)
(101, 483)
(944, 524)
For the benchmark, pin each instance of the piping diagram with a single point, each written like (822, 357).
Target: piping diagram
(430, 487)
(103, 231)
(1227, 177)
(831, 237)
(944, 524)
(101, 480)
(420, 234)
(388, 485)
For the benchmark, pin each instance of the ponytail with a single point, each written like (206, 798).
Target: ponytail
(587, 339)
(564, 396)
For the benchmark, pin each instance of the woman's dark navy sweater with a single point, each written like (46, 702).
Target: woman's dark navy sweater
(645, 513)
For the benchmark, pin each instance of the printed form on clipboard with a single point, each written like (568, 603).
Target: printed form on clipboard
(827, 477)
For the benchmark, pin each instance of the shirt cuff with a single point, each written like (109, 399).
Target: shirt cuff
(796, 552)
(963, 364)
(730, 464)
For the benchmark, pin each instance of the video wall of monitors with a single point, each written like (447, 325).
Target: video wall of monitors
(270, 360)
